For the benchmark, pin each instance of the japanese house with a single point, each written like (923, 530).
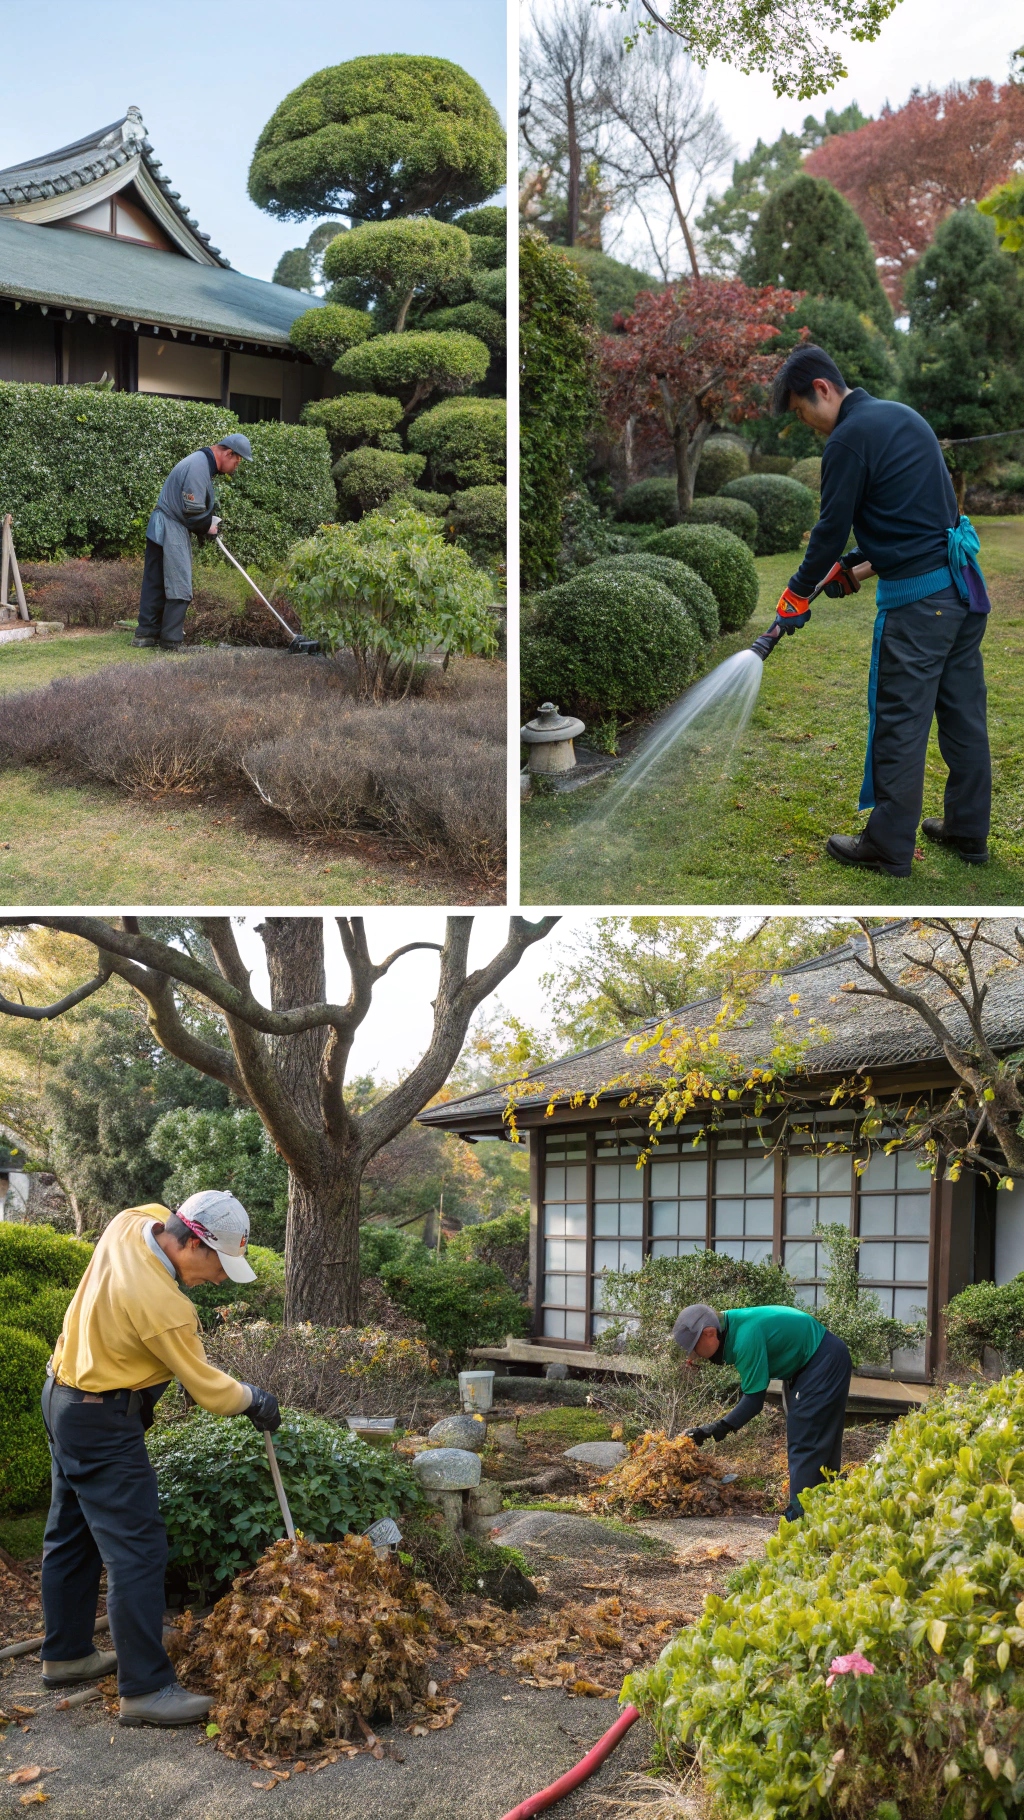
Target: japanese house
(104, 273)
(757, 1188)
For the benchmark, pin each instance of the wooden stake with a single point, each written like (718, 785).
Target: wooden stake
(9, 568)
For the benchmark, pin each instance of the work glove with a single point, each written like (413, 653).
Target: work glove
(264, 1412)
(792, 612)
(840, 580)
(709, 1431)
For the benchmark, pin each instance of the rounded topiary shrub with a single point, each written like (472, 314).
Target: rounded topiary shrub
(328, 332)
(39, 1272)
(722, 458)
(785, 509)
(478, 517)
(368, 477)
(650, 502)
(687, 586)
(624, 643)
(721, 559)
(476, 318)
(355, 416)
(807, 472)
(732, 514)
(771, 464)
(464, 441)
(217, 1497)
(435, 505)
(24, 1455)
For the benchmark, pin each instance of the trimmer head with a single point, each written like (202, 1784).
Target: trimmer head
(305, 647)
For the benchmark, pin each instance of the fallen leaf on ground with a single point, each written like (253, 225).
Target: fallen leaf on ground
(38, 1794)
(591, 1690)
(29, 1772)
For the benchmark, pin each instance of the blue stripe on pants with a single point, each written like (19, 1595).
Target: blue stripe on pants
(815, 1407)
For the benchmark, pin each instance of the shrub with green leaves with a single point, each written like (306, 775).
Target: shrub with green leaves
(416, 363)
(39, 1273)
(807, 472)
(224, 1149)
(399, 258)
(771, 464)
(259, 1301)
(650, 502)
(504, 1241)
(380, 1245)
(785, 509)
(558, 398)
(461, 1303)
(687, 586)
(389, 589)
(721, 559)
(642, 1305)
(476, 318)
(871, 1666)
(732, 514)
(854, 1313)
(218, 1501)
(607, 643)
(464, 441)
(24, 1455)
(478, 517)
(282, 494)
(329, 331)
(722, 458)
(354, 417)
(487, 223)
(983, 1316)
(368, 477)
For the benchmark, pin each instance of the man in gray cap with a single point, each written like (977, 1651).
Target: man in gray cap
(776, 1342)
(185, 508)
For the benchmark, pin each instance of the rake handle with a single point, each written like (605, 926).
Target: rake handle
(275, 1473)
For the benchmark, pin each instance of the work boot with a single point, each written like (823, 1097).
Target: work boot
(167, 645)
(139, 643)
(857, 850)
(170, 1705)
(84, 1668)
(972, 851)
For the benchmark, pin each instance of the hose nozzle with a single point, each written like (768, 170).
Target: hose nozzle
(766, 643)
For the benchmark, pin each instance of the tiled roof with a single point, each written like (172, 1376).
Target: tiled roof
(856, 1033)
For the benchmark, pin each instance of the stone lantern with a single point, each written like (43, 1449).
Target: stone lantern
(549, 737)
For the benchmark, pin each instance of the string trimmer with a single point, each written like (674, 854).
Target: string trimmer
(303, 647)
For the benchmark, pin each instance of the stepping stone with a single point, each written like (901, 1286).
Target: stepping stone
(605, 1454)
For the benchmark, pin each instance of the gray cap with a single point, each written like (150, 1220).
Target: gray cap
(237, 443)
(216, 1217)
(691, 1324)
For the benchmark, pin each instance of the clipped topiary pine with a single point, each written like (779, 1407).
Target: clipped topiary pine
(650, 502)
(722, 560)
(606, 642)
(732, 514)
(722, 458)
(488, 223)
(368, 477)
(398, 259)
(416, 363)
(464, 440)
(380, 137)
(808, 237)
(687, 586)
(24, 1455)
(355, 417)
(328, 332)
(871, 1665)
(478, 518)
(477, 319)
(785, 509)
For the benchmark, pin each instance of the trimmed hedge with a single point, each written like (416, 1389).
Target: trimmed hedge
(557, 398)
(771, 464)
(654, 502)
(421, 360)
(478, 318)
(367, 477)
(24, 1455)
(608, 643)
(732, 514)
(785, 509)
(721, 559)
(807, 472)
(464, 440)
(722, 458)
(356, 416)
(82, 470)
(478, 517)
(687, 586)
(328, 332)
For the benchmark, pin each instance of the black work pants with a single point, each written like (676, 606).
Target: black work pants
(815, 1407)
(930, 663)
(159, 617)
(104, 1513)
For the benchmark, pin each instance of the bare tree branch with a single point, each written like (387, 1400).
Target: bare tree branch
(41, 1013)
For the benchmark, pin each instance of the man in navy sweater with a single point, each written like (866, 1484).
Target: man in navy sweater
(882, 473)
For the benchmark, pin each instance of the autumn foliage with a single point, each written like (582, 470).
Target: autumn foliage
(910, 168)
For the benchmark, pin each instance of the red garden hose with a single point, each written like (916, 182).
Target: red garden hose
(535, 1804)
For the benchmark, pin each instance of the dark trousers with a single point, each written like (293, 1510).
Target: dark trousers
(159, 617)
(815, 1407)
(930, 664)
(104, 1513)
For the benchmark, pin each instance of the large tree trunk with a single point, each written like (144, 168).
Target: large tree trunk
(322, 1247)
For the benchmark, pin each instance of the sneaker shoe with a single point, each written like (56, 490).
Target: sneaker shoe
(170, 1705)
(972, 852)
(83, 1668)
(857, 850)
(143, 644)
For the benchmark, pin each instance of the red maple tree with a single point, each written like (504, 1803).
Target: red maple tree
(687, 357)
(910, 168)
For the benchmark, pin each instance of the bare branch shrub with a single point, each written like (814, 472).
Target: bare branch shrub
(84, 591)
(327, 1371)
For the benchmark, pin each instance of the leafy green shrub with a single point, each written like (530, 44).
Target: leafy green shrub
(380, 1245)
(807, 472)
(504, 1241)
(732, 514)
(722, 458)
(35, 1310)
(416, 363)
(721, 559)
(771, 464)
(399, 257)
(641, 1306)
(913, 1562)
(613, 285)
(557, 392)
(489, 222)
(984, 1315)
(388, 589)
(476, 318)
(490, 287)
(687, 586)
(478, 517)
(259, 1301)
(608, 643)
(460, 1303)
(38, 1257)
(229, 1149)
(368, 477)
(217, 1497)
(653, 502)
(24, 1455)
(854, 1313)
(785, 509)
(354, 417)
(464, 440)
(1009, 478)
(435, 505)
(329, 331)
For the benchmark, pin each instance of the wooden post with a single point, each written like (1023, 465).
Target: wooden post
(9, 568)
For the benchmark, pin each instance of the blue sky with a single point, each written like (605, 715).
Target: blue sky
(208, 78)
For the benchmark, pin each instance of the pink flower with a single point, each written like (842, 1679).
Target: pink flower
(853, 1664)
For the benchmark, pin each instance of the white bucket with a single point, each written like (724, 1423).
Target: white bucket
(476, 1388)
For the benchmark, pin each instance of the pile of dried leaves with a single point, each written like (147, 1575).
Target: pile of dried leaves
(660, 1477)
(312, 1643)
(20, 1603)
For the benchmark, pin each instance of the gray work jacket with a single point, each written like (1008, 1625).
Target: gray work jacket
(186, 504)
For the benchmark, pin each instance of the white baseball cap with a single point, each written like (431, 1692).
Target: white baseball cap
(222, 1223)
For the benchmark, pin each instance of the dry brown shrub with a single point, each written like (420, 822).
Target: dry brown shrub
(82, 591)
(329, 1371)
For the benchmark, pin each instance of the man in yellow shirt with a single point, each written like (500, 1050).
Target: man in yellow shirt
(128, 1331)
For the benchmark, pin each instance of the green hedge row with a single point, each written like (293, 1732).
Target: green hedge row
(81, 471)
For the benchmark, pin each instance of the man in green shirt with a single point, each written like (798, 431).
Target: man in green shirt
(776, 1342)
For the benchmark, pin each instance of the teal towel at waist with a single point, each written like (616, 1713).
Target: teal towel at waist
(913, 587)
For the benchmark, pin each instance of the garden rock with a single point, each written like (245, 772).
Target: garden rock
(605, 1454)
(507, 1586)
(447, 1469)
(505, 1437)
(558, 1533)
(464, 1430)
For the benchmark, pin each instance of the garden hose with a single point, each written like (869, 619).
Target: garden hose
(535, 1804)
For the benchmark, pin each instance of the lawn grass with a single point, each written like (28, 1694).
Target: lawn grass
(71, 844)
(757, 835)
(23, 1536)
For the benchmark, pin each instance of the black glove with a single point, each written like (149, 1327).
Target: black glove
(843, 582)
(711, 1431)
(264, 1412)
